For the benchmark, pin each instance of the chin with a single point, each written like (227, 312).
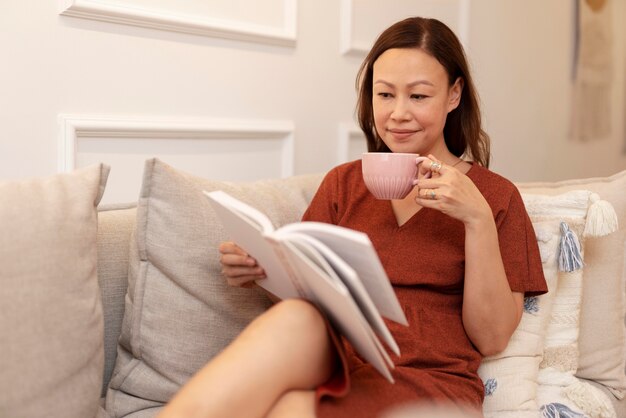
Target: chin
(403, 149)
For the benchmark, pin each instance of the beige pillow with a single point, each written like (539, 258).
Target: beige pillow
(601, 338)
(51, 329)
(179, 310)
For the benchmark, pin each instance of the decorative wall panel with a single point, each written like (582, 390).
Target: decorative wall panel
(270, 21)
(351, 143)
(363, 20)
(236, 150)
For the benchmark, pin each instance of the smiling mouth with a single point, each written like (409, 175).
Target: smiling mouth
(402, 133)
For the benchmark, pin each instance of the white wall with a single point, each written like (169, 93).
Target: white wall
(75, 91)
(522, 55)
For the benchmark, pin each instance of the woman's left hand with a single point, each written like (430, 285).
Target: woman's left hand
(450, 191)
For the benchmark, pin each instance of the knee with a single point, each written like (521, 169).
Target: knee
(291, 319)
(297, 322)
(298, 315)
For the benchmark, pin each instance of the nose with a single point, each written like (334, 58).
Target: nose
(400, 110)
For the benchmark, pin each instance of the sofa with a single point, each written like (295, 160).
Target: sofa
(106, 310)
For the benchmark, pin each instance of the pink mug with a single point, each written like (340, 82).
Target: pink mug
(390, 175)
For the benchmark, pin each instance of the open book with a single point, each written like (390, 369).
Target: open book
(334, 267)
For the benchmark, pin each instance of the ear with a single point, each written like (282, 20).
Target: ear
(455, 94)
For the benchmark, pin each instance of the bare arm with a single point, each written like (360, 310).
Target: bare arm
(491, 311)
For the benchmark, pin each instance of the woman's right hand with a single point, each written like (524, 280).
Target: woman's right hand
(240, 269)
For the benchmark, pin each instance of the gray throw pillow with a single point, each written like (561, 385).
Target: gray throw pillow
(179, 310)
(51, 326)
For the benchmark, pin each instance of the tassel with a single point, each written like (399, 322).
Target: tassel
(569, 250)
(558, 410)
(585, 397)
(601, 218)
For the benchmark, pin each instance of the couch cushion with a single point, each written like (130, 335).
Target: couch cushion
(50, 310)
(601, 339)
(179, 310)
(115, 224)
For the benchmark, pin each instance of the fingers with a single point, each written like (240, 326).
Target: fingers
(233, 255)
(229, 247)
(243, 281)
(430, 168)
(429, 190)
(428, 194)
(238, 267)
(435, 166)
(242, 277)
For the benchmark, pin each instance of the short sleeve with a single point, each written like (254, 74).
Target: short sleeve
(519, 249)
(323, 206)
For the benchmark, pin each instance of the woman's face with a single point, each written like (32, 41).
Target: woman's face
(411, 100)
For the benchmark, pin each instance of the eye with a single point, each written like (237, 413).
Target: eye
(384, 94)
(418, 96)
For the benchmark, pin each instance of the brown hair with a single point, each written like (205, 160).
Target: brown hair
(462, 132)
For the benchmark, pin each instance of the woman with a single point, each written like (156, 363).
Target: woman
(459, 250)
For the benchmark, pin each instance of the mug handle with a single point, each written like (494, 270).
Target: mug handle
(418, 161)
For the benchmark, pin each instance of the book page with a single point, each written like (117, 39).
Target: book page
(249, 213)
(335, 300)
(356, 249)
(249, 235)
(338, 268)
(297, 269)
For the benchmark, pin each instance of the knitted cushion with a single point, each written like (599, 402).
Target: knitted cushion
(601, 336)
(558, 387)
(512, 377)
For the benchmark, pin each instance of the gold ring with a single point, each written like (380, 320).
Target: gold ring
(435, 166)
(432, 194)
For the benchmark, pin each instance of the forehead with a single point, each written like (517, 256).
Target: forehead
(408, 62)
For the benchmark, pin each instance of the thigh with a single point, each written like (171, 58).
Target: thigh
(295, 345)
(285, 349)
(295, 403)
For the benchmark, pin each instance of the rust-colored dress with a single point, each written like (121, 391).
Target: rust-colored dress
(424, 259)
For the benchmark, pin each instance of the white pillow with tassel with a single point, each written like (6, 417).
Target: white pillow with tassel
(511, 377)
(579, 213)
(602, 352)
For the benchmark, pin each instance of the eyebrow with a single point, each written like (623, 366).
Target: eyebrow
(411, 84)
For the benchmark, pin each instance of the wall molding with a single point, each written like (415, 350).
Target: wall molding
(346, 43)
(347, 133)
(73, 128)
(349, 46)
(165, 20)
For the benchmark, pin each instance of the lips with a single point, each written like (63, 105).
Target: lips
(402, 133)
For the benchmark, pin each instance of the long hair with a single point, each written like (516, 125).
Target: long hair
(463, 132)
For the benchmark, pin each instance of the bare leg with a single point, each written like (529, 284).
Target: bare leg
(287, 348)
(296, 403)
